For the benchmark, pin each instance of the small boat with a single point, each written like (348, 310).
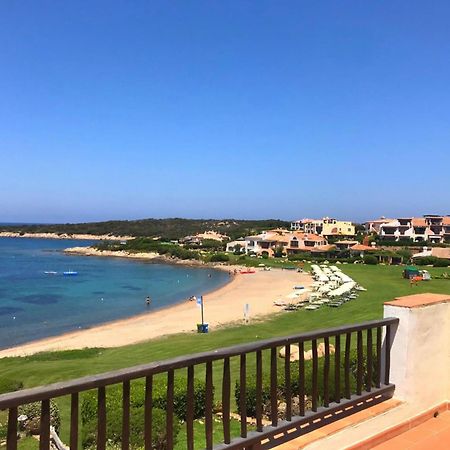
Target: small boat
(246, 271)
(70, 273)
(50, 272)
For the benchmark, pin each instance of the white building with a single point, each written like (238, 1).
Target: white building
(429, 228)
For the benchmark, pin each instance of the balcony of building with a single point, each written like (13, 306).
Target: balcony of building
(378, 383)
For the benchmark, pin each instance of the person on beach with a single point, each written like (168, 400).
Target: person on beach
(148, 301)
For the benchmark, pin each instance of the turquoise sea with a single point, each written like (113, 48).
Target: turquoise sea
(35, 305)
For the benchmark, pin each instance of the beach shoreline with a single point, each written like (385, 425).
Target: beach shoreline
(149, 257)
(78, 237)
(223, 306)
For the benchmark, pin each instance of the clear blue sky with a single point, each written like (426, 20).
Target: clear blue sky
(132, 109)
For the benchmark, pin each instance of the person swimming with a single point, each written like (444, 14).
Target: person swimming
(148, 300)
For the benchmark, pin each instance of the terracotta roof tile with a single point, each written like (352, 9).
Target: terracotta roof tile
(418, 222)
(362, 248)
(417, 300)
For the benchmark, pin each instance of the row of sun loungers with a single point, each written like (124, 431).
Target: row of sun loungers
(331, 287)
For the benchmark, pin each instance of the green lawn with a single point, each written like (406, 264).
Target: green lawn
(382, 283)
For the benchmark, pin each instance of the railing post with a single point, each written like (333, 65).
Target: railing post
(319, 388)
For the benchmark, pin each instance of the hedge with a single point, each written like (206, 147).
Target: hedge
(281, 385)
(137, 428)
(10, 385)
(137, 398)
(431, 260)
(441, 263)
(370, 259)
(219, 257)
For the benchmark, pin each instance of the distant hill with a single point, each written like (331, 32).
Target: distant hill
(173, 228)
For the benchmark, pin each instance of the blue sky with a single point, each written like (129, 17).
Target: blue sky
(133, 109)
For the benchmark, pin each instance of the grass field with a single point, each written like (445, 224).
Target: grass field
(382, 283)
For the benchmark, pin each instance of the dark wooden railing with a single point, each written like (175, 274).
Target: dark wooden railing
(256, 361)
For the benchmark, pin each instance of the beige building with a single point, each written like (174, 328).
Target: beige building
(269, 241)
(327, 227)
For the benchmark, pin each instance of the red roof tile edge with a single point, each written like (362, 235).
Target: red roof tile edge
(419, 300)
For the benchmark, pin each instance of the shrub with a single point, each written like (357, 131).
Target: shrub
(278, 252)
(425, 260)
(370, 259)
(219, 257)
(137, 399)
(441, 263)
(281, 388)
(33, 413)
(3, 431)
(180, 398)
(137, 428)
(10, 385)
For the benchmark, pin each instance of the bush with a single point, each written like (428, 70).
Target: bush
(33, 413)
(370, 259)
(441, 263)
(278, 252)
(137, 398)
(137, 428)
(425, 260)
(10, 385)
(3, 431)
(219, 257)
(281, 388)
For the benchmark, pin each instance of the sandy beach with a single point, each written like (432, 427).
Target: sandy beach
(91, 251)
(223, 306)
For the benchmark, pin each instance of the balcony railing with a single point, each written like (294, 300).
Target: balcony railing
(351, 374)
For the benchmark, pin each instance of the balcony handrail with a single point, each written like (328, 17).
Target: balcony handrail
(371, 386)
(14, 399)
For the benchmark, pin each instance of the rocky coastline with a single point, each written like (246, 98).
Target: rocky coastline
(81, 237)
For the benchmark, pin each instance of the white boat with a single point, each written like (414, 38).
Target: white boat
(69, 273)
(50, 272)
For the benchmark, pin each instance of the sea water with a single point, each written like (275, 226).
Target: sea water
(35, 305)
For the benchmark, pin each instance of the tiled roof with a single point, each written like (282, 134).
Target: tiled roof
(323, 248)
(440, 252)
(362, 248)
(418, 222)
(417, 300)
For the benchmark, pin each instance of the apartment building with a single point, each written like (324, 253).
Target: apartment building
(268, 241)
(429, 228)
(327, 227)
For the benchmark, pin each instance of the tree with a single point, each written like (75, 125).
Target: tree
(278, 252)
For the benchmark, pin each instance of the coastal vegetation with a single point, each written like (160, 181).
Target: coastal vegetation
(164, 229)
(382, 283)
